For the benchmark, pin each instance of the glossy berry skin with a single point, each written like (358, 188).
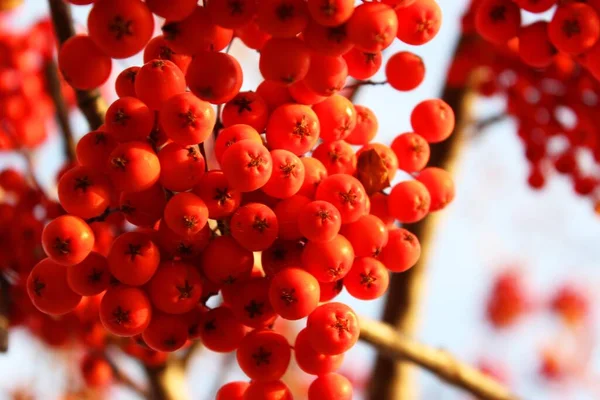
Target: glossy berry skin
(128, 119)
(84, 192)
(327, 40)
(125, 82)
(133, 258)
(311, 361)
(181, 168)
(419, 22)
(337, 118)
(574, 28)
(157, 81)
(328, 261)
(535, 48)
(332, 328)
(232, 390)
(302, 94)
(120, 28)
(368, 279)
(232, 15)
(224, 261)
(220, 199)
(498, 20)
(83, 65)
(246, 108)
(94, 148)
(214, 77)
(254, 226)
(49, 290)
(326, 74)
(368, 235)
(287, 24)
(366, 126)
(247, 165)
(90, 277)
(166, 332)
(287, 211)
(363, 64)
(294, 293)
(67, 240)
(143, 208)
(250, 302)
(186, 119)
(409, 201)
(405, 71)
(401, 252)
(330, 386)
(233, 134)
(333, 14)
(220, 331)
(172, 10)
(440, 186)
(186, 214)
(287, 176)
(96, 371)
(293, 127)
(412, 151)
(133, 167)
(315, 172)
(319, 221)
(372, 27)
(175, 288)
(274, 390)
(125, 311)
(285, 70)
(346, 193)
(158, 49)
(264, 355)
(433, 119)
(282, 254)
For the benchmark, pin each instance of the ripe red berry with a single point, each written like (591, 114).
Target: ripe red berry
(372, 27)
(67, 240)
(498, 20)
(186, 119)
(133, 167)
(330, 386)
(274, 390)
(535, 48)
(232, 390)
(274, 93)
(246, 108)
(264, 355)
(214, 77)
(363, 65)
(128, 118)
(143, 208)
(181, 168)
(247, 165)
(159, 49)
(282, 254)
(220, 331)
(232, 15)
(125, 311)
(186, 214)
(346, 193)
(412, 151)
(233, 134)
(332, 328)
(368, 235)
(224, 261)
(294, 293)
(96, 371)
(175, 288)
(157, 81)
(368, 279)
(133, 258)
(125, 82)
(409, 201)
(120, 28)
(254, 226)
(94, 148)
(574, 28)
(166, 332)
(287, 176)
(83, 65)
(337, 118)
(311, 361)
(440, 185)
(315, 172)
(172, 10)
(282, 18)
(433, 119)
(327, 40)
(319, 221)
(326, 74)
(328, 261)
(405, 71)
(289, 69)
(49, 290)
(84, 192)
(401, 252)
(90, 277)
(250, 302)
(220, 199)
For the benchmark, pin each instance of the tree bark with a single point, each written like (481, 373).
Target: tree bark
(393, 380)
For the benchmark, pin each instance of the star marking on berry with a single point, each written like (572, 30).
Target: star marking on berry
(121, 117)
(236, 7)
(165, 53)
(367, 280)
(328, 8)
(337, 34)
(255, 161)
(571, 28)
(38, 286)
(287, 169)
(185, 291)
(133, 250)
(121, 316)
(285, 12)
(349, 197)
(288, 296)
(120, 27)
(222, 195)
(243, 104)
(99, 138)
(82, 183)
(260, 224)
(171, 31)
(188, 119)
(190, 221)
(210, 326)
(193, 153)
(262, 356)
(62, 245)
(342, 325)
(254, 309)
(301, 129)
(95, 276)
(498, 13)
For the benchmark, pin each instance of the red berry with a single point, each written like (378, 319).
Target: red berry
(311, 361)
(83, 65)
(96, 371)
(368, 235)
(133, 258)
(574, 28)
(175, 288)
(186, 119)
(433, 119)
(337, 117)
(282, 18)
(49, 290)
(319, 221)
(286, 70)
(181, 168)
(247, 165)
(220, 199)
(405, 71)
(401, 252)
(232, 390)
(332, 328)
(419, 22)
(225, 261)
(166, 332)
(220, 330)
(84, 192)
(254, 226)
(293, 127)
(409, 201)
(440, 185)
(90, 277)
(128, 118)
(412, 151)
(368, 279)
(287, 177)
(214, 77)
(294, 293)
(372, 27)
(346, 193)
(186, 214)
(67, 240)
(264, 355)
(157, 81)
(328, 261)
(274, 390)
(246, 108)
(133, 167)
(330, 386)
(125, 311)
(498, 21)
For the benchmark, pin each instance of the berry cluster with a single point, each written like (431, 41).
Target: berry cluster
(548, 71)
(151, 231)
(25, 105)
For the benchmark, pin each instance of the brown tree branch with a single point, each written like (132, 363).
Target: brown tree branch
(123, 379)
(62, 112)
(393, 380)
(4, 310)
(90, 102)
(394, 346)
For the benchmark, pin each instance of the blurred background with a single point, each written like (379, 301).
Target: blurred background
(497, 232)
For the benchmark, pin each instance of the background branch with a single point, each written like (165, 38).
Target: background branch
(392, 380)
(395, 346)
(4, 310)
(90, 102)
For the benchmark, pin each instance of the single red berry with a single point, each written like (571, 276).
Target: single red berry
(254, 226)
(368, 235)
(232, 390)
(328, 261)
(181, 167)
(419, 22)
(220, 330)
(412, 151)
(363, 65)
(314, 173)
(372, 27)
(433, 119)
(330, 386)
(220, 199)
(337, 118)
(264, 355)
(94, 148)
(346, 193)
(175, 288)
(311, 361)
(401, 252)
(125, 82)
(133, 167)
(409, 201)
(166, 332)
(67, 240)
(159, 49)
(128, 119)
(133, 258)
(287, 212)
(440, 185)
(247, 165)
(332, 328)
(90, 277)
(287, 176)
(224, 261)
(294, 293)
(83, 65)
(186, 214)
(157, 81)
(246, 108)
(319, 221)
(49, 290)
(274, 390)
(214, 77)
(574, 28)
(498, 21)
(84, 192)
(125, 311)
(250, 302)
(405, 71)
(289, 69)
(186, 119)
(143, 208)
(368, 279)
(96, 371)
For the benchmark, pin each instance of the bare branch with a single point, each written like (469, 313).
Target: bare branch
(4, 310)
(62, 113)
(90, 102)
(395, 346)
(122, 379)
(487, 122)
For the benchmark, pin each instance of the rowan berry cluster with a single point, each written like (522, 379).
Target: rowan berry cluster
(151, 231)
(548, 71)
(25, 105)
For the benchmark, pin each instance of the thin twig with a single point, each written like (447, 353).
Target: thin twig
(4, 310)
(123, 379)
(102, 216)
(365, 83)
(395, 346)
(90, 102)
(478, 126)
(62, 112)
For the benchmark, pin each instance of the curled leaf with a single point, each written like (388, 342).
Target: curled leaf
(371, 171)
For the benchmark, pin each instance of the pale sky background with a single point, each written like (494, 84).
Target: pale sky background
(496, 220)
